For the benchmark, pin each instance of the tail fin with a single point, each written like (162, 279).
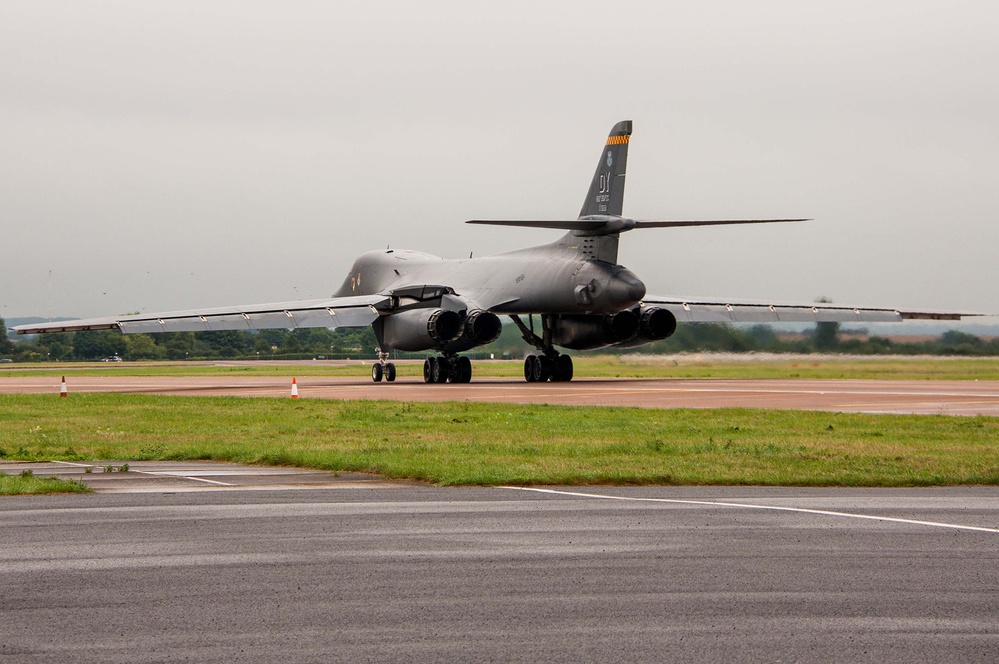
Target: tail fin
(606, 195)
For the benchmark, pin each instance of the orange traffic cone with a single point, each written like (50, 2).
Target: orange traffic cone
(62, 389)
(294, 388)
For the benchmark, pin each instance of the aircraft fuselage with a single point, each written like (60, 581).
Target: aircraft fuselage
(556, 278)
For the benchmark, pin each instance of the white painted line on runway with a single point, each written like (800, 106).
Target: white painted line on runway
(922, 404)
(802, 510)
(180, 476)
(163, 473)
(251, 472)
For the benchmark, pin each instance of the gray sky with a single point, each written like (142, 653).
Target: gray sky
(159, 156)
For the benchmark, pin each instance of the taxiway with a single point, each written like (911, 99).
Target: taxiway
(946, 397)
(415, 573)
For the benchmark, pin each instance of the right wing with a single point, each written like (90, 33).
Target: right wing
(712, 310)
(356, 311)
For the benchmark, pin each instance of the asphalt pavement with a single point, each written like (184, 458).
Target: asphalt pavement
(937, 397)
(373, 573)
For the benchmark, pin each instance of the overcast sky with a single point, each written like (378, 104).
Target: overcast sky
(167, 155)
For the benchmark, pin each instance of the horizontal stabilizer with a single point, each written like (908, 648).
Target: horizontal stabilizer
(710, 222)
(567, 225)
(606, 225)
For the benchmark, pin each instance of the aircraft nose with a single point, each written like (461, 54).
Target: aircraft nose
(625, 289)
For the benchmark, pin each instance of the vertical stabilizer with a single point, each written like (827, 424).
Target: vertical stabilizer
(606, 194)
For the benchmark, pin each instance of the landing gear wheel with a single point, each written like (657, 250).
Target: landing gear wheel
(542, 369)
(429, 365)
(439, 370)
(462, 370)
(529, 363)
(562, 369)
(390, 372)
(376, 373)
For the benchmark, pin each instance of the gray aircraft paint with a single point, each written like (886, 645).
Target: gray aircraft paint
(574, 284)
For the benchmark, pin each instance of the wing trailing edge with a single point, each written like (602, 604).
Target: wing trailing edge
(701, 310)
(330, 313)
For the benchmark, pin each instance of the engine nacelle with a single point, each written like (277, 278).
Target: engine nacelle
(654, 324)
(591, 332)
(420, 329)
(480, 327)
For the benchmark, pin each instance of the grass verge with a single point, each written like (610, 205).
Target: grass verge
(490, 444)
(23, 484)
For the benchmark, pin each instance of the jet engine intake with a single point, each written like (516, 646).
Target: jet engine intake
(421, 329)
(591, 332)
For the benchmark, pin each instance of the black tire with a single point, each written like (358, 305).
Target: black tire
(542, 369)
(463, 370)
(562, 369)
(529, 363)
(376, 373)
(439, 369)
(428, 369)
(390, 372)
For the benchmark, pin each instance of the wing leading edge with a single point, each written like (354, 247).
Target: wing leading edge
(705, 310)
(330, 313)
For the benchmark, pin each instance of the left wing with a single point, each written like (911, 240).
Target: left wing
(712, 310)
(331, 313)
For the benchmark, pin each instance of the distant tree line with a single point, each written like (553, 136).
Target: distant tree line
(824, 338)
(359, 343)
(265, 344)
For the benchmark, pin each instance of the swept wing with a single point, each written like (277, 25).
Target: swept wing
(713, 310)
(334, 312)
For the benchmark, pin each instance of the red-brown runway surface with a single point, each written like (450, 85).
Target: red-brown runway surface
(867, 396)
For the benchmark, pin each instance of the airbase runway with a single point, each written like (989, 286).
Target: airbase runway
(217, 562)
(390, 572)
(942, 397)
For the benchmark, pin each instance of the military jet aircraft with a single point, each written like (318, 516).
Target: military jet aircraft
(582, 297)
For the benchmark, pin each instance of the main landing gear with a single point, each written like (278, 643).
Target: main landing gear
(541, 368)
(383, 369)
(447, 367)
(551, 365)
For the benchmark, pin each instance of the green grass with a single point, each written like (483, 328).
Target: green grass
(26, 483)
(490, 444)
(596, 366)
(896, 368)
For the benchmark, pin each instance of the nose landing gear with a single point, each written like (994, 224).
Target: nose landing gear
(383, 369)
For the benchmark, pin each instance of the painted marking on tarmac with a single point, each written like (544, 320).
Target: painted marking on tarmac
(181, 475)
(923, 404)
(164, 473)
(776, 508)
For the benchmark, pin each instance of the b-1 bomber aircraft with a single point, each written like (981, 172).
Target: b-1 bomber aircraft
(582, 297)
